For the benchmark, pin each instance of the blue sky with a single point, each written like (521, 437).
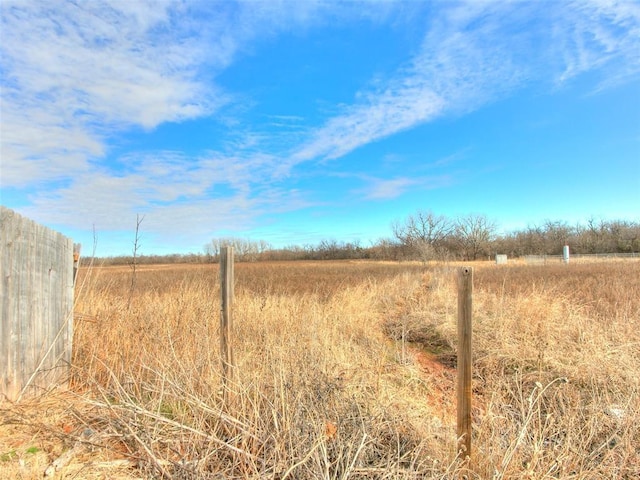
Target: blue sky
(293, 122)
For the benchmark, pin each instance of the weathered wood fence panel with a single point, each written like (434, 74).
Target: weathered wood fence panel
(36, 295)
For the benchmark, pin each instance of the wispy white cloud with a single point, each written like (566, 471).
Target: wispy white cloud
(74, 73)
(477, 52)
(600, 35)
(384, 189)
(396, 109)
(176, 194)
(379, 188)
(459, 67)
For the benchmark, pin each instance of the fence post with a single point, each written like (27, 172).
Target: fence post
(76, 260)
(226, 320)
(465, 297)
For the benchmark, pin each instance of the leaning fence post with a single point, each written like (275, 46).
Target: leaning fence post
(226, 319)
(465, 296)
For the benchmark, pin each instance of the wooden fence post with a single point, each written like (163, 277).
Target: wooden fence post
(226, 320)
(465, 297)
(76, 260)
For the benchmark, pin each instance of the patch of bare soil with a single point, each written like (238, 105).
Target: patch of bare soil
(440, 376)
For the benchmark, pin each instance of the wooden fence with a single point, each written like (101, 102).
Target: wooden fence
(36, 295)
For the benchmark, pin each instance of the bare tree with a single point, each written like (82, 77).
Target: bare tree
(424, 232)
(134, 259)
(474, 234)
(557, 234)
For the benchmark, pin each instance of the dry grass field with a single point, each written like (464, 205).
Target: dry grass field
(344, 370)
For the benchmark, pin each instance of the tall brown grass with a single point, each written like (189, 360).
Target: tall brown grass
(345, 370)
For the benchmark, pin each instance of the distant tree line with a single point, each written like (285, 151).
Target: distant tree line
(426, 236)
(151, 259)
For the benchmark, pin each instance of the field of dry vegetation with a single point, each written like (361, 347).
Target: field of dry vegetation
(344, 370)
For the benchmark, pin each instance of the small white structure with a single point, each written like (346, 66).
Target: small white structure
(565, 254)
(501, 259)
